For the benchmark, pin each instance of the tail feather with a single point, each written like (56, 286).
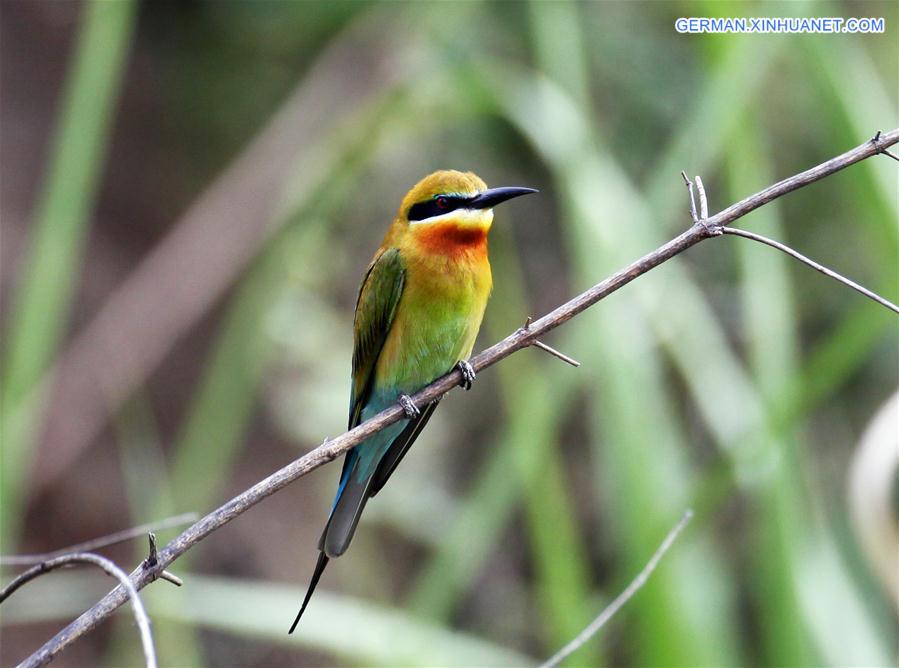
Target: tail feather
(355, 489)
(319, 569)
(345, 516)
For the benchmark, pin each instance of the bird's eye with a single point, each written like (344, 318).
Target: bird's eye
(442, 202)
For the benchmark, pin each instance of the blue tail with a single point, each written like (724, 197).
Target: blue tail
(352, 494)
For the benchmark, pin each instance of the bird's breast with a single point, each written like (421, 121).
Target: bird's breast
(437, 319)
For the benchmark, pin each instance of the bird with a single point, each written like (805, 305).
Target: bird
(418, 312)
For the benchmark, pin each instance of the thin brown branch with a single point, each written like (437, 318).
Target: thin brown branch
(102, 541)
(140, 614)
(521, 338)
(622, 598)
(811, 263)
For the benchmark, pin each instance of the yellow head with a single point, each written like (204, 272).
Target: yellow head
(448, 205)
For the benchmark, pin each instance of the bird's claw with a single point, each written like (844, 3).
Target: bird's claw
(468, 374)
(409, 408)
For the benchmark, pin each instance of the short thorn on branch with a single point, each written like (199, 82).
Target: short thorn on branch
(549, 349)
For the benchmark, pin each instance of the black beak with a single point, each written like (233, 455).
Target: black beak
(494, 196)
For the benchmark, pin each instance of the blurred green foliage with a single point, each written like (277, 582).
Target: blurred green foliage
(729, 380)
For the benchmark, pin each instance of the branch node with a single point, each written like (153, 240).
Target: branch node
(700, 218)
(881, 149)
(549, 349)
(152, 561)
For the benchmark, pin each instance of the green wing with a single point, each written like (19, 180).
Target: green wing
(375, 308)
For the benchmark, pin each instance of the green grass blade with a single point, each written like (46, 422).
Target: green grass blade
(535, 411)
(250, 610)
(50, 268)
(482, 518)
(770, 330)
(638, 460)
(380, 635)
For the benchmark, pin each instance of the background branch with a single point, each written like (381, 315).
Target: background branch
(102, 541)
(622, 598)
(522, 338)
(140, 614)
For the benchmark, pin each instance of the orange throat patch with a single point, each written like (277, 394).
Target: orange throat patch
(451, 238)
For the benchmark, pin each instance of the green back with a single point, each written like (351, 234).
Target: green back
(376, 306)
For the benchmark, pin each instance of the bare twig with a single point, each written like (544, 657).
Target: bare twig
(622, 598)
(693, 215)
(140, 614)
(103, 541)
(172, 578)
(519, 339)
(555, 353)
(811, 263)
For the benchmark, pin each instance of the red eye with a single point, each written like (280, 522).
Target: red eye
(442, 203)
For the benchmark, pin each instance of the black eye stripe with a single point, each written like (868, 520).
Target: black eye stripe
(431, 207)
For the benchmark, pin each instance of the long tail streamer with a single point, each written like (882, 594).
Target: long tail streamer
(319, 569)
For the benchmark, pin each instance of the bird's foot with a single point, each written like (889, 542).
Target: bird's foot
(468, 374)
(409, 408)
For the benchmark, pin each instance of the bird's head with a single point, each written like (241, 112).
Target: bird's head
(448, 203)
